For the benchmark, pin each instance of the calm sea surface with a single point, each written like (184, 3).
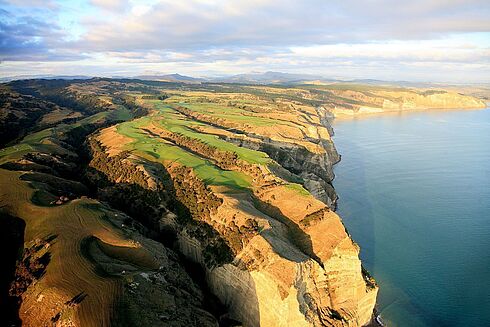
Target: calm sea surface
(414, 193)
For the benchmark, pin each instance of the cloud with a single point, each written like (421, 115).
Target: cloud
(231, 36)
(28, 38)
(109, 4)
(177, 25)
(31, 3)
(414, 51)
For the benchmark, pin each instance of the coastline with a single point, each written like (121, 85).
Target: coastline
(361, 115)
(376, 320)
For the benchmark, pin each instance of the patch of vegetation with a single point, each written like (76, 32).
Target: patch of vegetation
(368, 278)
(432, 92)
(154, 148)
(298, 188)
(31, 266)
(174, 122)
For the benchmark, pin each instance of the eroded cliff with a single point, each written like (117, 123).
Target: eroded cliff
(210, 205)
(387, 100)
(272, 253)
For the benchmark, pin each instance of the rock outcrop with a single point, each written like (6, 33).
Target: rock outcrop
(215, 206)
(275, 256)
(386, 100)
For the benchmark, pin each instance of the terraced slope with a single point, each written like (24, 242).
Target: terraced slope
(273, 253)
(83, 263)
(126, 202)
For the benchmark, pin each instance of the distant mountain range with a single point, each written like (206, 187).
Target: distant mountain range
(21, 77)
(170, 78)
(271, 78)
(263, 78)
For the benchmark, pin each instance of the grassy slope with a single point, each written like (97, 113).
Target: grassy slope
(36, 141)
(157, 149)
(69, 272)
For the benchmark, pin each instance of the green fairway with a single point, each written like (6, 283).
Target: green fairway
(157, 150)
(173, 122)
(231, 114)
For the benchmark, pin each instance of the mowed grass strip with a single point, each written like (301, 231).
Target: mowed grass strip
(231, 114)
(156, 149)
(175, 122)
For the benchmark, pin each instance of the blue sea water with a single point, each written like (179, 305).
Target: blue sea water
(414, 193)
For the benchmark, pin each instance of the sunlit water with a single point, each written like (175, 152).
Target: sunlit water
(415, 195)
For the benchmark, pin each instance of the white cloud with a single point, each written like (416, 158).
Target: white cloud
(110, 4)
(349, 37)
(427, 50)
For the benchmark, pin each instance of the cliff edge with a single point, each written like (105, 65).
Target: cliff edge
(234, 196)
(175, 205)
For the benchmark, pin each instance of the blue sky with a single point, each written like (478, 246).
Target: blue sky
(430, 40)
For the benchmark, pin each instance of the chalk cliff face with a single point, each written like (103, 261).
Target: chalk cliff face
(232, 181)
(274, 256)
(316, 169)
(431, 99)
(297, 267)
(384, 100)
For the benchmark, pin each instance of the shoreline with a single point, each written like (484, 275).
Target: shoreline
(376, 319)
(361, 115)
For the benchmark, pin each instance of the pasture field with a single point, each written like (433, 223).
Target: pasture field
(70, 272)
(38, 141)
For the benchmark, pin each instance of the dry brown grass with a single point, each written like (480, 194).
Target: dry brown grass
(69, 272)
(113, 141)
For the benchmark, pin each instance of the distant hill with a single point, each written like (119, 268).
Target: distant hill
(170, 78)
(271, 78)
(22, 77)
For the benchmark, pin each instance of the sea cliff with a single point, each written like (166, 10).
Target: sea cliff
(272, 252)
(388, 100)
(154, 203)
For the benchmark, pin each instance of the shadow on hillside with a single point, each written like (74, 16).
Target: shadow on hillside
(298, 237)
(148, 206)
(12, 242)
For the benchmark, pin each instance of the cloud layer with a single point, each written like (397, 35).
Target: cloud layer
(368, 39)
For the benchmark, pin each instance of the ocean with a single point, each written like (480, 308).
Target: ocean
(414, 193)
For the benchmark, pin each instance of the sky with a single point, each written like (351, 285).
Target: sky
(417, 40)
